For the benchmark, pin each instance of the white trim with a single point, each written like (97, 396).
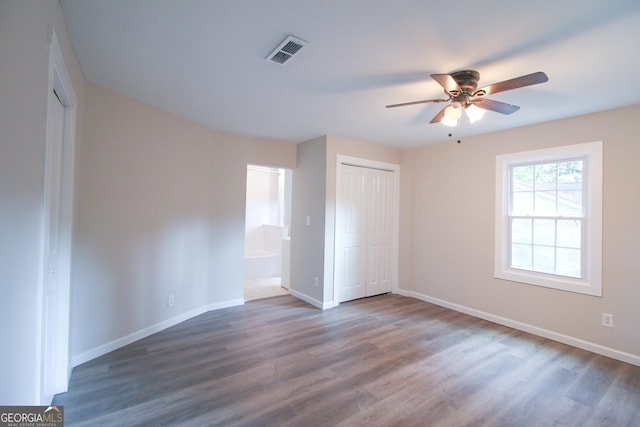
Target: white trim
(403, 292)
(541, 332)
(224, 304)
(592, 283)
(395, 238)
(366, 163)
(150, 330)
(314, 302)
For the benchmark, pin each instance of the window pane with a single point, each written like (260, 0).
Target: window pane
(570, 202)
(570, 172)
(546, 176)
(522, 203)
(522, 178)
(521, 231)
(545, 203)
(570, 188)
(568, 262)
(543, 259)
(569, 233)
(521, 256)
(544, 232)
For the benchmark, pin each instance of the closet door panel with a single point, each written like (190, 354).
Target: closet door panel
(379, 231)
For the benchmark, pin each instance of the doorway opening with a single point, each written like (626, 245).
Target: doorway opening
(267, 238)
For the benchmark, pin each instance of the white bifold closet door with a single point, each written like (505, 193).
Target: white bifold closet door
(364, 226)
(56, 260)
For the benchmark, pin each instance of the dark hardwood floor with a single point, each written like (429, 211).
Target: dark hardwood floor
(381, 361)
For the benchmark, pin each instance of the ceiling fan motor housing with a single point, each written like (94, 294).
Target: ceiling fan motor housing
(468, 82)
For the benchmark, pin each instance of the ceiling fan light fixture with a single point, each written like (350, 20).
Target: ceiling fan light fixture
(447, 121)
(474, 113)
(453, 111)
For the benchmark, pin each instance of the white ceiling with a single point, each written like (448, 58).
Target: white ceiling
(204, 60)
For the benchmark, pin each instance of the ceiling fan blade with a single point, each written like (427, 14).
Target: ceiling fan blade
(425, 101)
(497, 106)
(448, 83)
(518, 82)
(438, 116)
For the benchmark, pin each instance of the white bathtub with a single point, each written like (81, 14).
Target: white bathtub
(261, 264)
(265, 261)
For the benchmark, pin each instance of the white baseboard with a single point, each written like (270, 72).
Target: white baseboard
(224, 304)
(150, 330)
(545, 333)
(314, 302)
(402, 292)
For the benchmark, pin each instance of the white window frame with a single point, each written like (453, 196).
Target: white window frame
(591, 282)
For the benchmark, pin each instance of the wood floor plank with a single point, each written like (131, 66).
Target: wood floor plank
(381, 361)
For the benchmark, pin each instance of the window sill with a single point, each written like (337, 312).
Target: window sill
(568, 284)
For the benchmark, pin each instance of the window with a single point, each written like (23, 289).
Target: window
(549, 218)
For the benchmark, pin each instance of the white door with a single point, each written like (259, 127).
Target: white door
(364, 224)
(351, 215)
(53, 327)
(379, 231)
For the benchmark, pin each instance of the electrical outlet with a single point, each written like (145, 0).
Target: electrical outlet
(316, 282)
(171, 300)
(607, 320)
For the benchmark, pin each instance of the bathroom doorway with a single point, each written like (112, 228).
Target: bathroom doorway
(267, 224)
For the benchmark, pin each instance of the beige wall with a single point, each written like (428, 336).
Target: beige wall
(452, 194)
(24, 66)
(160, 211)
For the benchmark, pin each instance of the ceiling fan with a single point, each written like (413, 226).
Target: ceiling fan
(461, 89)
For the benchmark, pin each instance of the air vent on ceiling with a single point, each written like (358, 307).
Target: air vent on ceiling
(285, 50)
